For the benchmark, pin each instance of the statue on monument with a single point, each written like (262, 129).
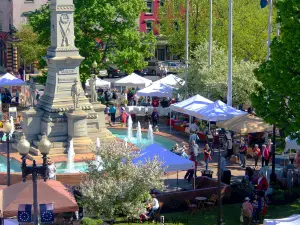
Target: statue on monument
(75, 93)
(32, 92)
(64, 23)
(92, 83)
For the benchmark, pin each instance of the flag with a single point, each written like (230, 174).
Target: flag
(24, 213)
(263, 3)
(47, 213)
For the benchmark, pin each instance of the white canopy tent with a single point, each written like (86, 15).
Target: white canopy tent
(133, 80)
(189, 105)
(99, 83)
(157, 90)
(10, 80)
(291, 144)
(217, 111)
(171, 80)
(292, 220)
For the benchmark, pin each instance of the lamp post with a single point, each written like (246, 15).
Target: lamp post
(7, 128)
(95, 65)
(23, 147)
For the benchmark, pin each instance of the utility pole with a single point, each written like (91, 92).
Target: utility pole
(229, 91)
(186, 48)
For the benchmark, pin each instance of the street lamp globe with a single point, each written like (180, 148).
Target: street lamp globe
(94, 65)
(7, 127)
(23, 145)
(44, 145)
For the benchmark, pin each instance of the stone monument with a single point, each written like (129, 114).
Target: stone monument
(63, 112)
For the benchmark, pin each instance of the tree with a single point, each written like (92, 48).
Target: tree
(29, 47)
(211, 81)
(277, 99)
(105, 31)
(120, 187)
(250, 26)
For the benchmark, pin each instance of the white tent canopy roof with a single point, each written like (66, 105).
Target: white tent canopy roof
(133, 80)
(99, 83)
(291, 144)
(171, 80)
(218, 111)
(294, 219)
(10, 80)
(191, 105)
(157, 90)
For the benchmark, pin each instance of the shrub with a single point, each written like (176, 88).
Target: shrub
(89, 221)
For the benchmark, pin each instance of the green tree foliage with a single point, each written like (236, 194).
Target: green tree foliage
(29, 47)
(111, 22)
(211, 81)
(250, 26)
(278, 99)
(116, 186)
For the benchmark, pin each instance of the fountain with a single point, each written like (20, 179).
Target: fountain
(126, 142)
(98, 161)
(139, 137)
(71, 155)
(129, 128)
(150, 134)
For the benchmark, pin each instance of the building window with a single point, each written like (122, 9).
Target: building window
(1, 21)
(149, 26)
(161, 55)
(150, 7)
(2, 51)
(162, 3)
(28, 1)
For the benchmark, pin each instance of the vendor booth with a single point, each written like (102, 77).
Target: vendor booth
(294, 219)
(99, 84)
(171, 80)
(245, 124)
(157, 90)
(133, 80)
(8, 80)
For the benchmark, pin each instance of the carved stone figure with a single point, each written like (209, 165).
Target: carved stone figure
(32, 92)
(92, 83)
(75, 93)
(64, 23)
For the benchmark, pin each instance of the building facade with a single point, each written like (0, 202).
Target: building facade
(149, 22)
(13, 13)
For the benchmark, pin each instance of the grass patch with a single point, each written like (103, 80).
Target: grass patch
(231, 215)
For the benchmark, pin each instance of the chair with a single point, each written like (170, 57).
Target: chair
(192, 207)
(157, 213)
(211, 202)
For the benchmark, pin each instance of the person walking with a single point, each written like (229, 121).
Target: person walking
(247, 211)
(265, 156)
(243, 153)
(154, 118)
(256, 154)
(112, 111)
(193, 137)
(207, 155)
(194, 149)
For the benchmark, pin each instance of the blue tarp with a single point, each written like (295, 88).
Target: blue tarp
(171, 161)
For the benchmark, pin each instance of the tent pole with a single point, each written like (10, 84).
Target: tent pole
(177, 181)
(170, 120)
(195, 169)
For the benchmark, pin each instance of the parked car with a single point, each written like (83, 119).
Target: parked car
(141, 72)
(103, 73)
(153, 68)
(174, 67)
(113, 71)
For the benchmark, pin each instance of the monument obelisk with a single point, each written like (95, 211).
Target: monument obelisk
(55, 113)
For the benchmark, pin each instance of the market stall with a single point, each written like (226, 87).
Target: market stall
(245, 124)
(157, 90)
(291, 144)
(294, 219)
(133, 80)
(8, 80)
(99, 84)
(171, 80)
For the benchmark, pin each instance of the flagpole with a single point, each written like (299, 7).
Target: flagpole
(270, 27)
(186, 47)
(210, 33)
(229, 91)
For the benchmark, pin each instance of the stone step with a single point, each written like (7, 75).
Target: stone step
(55, 139)
(54, 151)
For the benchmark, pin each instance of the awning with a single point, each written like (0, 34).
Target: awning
(51, 191)
(133, 80)
(157, 90)
(245, 124)
(171, 80)
(8, 80)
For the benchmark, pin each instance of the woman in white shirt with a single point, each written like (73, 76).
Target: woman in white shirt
(51, 170)
(154, 206)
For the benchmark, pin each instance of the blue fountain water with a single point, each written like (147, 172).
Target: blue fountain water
(82, 166)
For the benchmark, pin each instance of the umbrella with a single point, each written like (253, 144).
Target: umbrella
(51, 191)
(245, 124)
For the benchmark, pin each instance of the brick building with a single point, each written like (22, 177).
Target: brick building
(13, 13)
